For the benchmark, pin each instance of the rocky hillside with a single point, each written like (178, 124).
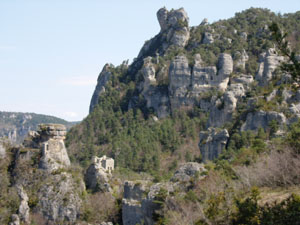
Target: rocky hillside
(190, 92)
(15, 126)
(202, 128)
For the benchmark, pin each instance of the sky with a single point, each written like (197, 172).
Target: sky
(52, 51)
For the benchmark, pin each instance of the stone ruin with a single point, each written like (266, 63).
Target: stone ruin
(98, 174)
(105, 163)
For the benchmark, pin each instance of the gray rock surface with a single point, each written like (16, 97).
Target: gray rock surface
(103, 78)
(262, 119)
(212, 143)
(138, 203)
(208, 38)
(222, 109)
(59, 198)
(187, 171)
(97, 179)
(175, 24)
(23, 210)
(2, 150)
(15, 220)
(240, 59)
(268, 62)
(54, 154)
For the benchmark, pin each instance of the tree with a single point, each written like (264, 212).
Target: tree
(293, 65)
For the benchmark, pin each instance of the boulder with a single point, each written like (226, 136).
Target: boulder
(188, 171)
(212, 143)
(103, 78)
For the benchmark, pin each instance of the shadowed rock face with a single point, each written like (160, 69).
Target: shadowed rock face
(100, 88)
(212, 143)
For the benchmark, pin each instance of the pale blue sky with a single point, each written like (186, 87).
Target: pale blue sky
(51, 51)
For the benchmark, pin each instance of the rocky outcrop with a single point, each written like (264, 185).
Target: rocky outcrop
(96, 177)
(188, 171)
(179, 80)
(268, 62)
(15, 220)
(103, 78)
(212, 143)
(23, 211)
(2, 150)
(175, 25)
(222, 109)
(54, 154)
(138, 204)
(262, 119)
(240, 59)
(208, 38)
(59, 198)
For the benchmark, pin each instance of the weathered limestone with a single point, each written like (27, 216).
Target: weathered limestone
(222, 109)
(59, 198)
(188, 171)
(225, 68)
(103, 78)
(262, 119)
(54, 153)
(241, 59)
(2, 150)
(212, 143)
(268, 62)
(175, 24)
(138, 204)
(98, 174)
(208, 38)
(244, 79)
(23, 211)
(15, 220)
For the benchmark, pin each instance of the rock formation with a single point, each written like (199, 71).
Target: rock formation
(212, 143)
(51, 139)
(138, 204)
(175, 25)
(23, 211)
(2, 150)
(241, 59)
(103, 78)
(208, 38)
(268, 62)
(98, 174)
(262, 119)
(188, 171)
(59, 198)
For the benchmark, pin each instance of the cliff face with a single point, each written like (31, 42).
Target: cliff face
(225, 74)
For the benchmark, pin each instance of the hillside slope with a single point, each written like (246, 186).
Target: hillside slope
(15, 125)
